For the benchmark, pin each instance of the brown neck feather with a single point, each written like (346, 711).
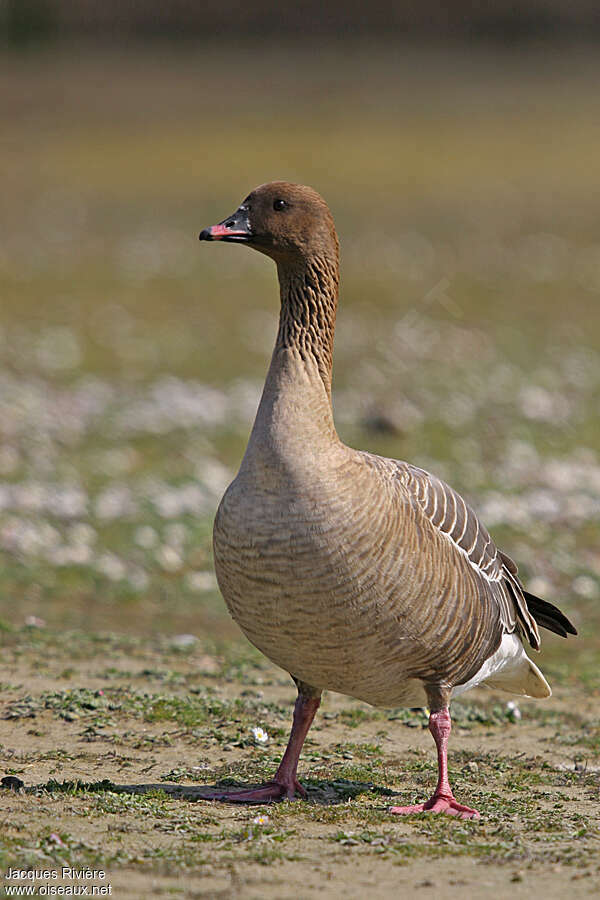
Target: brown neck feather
(309, 297)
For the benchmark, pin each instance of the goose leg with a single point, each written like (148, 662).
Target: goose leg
(285, 784)
(442, 800)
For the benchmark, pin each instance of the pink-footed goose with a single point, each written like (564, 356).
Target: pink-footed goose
(352, 572)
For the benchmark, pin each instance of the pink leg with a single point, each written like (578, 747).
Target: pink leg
(442, 800)
(285, 783)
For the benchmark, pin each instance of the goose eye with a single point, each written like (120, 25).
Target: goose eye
(278, 205)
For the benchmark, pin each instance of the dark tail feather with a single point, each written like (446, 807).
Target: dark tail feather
(548, 616)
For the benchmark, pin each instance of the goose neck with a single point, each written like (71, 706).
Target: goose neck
(309, 296)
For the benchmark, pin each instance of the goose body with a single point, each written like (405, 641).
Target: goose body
(333, 569)
(353, 572)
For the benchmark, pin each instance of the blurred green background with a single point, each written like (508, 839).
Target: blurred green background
(461, 163)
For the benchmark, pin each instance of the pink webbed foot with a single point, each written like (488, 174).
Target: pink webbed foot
(438, 804)
(271, 792)
(284, 785)
(442, 800)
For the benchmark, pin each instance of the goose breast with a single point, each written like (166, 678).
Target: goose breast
(368, 599)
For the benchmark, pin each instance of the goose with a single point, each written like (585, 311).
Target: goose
(352, 572)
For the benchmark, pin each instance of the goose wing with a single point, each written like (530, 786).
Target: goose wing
(457, 521)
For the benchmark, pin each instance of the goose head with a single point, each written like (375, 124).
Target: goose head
(285, 221)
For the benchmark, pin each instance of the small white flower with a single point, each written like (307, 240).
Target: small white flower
(183, 641)
(513, 710)
(260, 820)
(260, 735)
(146, 537)
(30, 496)
(213, 475)
(56, 839)
(114, 502)
(200, 581)
(542, 405)
(540, 586)
(168, 558)
(585, 586)
(111, 566)
(71, 555)
(138, 579)
(168, 504)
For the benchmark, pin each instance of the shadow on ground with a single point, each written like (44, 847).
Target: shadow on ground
(326, 793)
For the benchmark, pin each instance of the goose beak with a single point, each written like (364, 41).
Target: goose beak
(235, 228)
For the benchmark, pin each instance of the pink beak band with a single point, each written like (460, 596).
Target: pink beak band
(235, 228)
(218, 232)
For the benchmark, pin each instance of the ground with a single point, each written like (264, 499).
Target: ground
(465, 189)
(113, 749)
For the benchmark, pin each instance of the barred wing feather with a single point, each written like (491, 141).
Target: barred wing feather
(451, 516)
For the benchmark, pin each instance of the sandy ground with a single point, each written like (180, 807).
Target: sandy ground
(154, 850)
